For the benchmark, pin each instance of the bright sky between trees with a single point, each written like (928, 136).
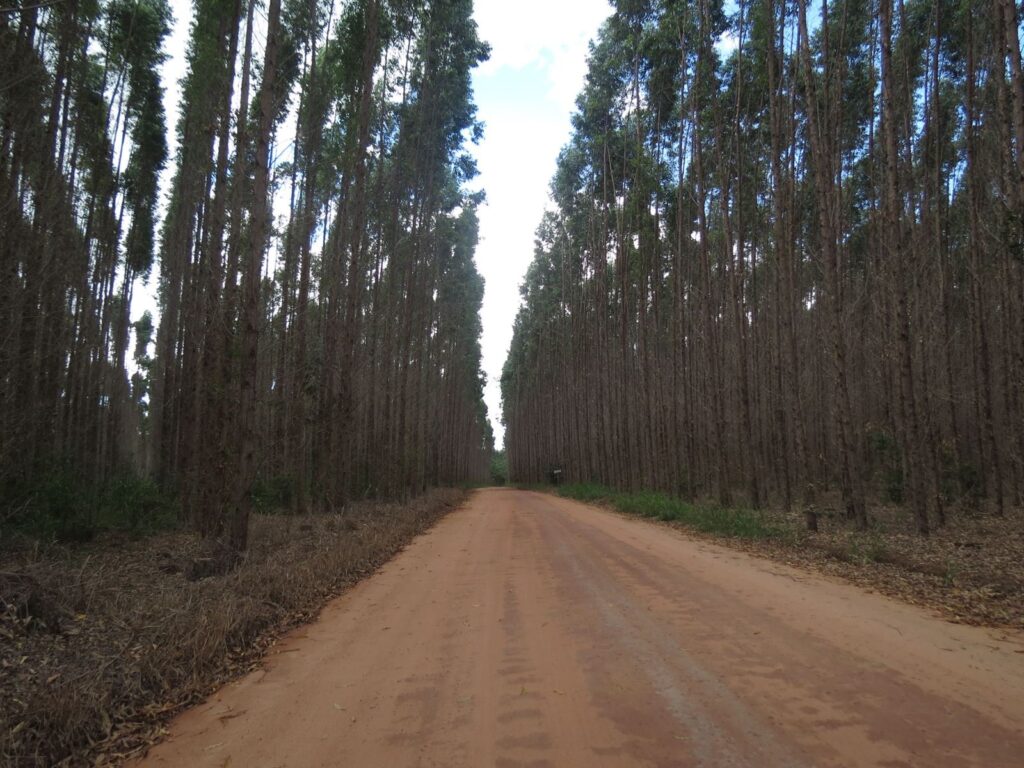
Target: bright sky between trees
(525, 95)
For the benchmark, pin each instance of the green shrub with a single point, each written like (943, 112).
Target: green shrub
(893, 479)
(969, 478)
(59, 506)
(886, 460)
(132, 503)
(499, 468)
(273, 494)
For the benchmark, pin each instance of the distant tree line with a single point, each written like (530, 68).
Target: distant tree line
(318, 302)
(786, 258)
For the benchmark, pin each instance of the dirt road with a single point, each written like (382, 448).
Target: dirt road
(527, 630)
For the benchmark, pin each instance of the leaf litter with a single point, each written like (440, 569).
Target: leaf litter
(102, 643)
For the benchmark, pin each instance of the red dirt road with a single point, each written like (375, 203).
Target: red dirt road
(527, 630)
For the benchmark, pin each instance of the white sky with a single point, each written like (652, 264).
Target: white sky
(526, 95)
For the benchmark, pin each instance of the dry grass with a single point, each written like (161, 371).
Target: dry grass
(971, 571)
(100, 645)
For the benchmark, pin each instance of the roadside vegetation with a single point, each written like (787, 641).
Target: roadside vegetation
(102, 642)
(705, 518)
(58, 507)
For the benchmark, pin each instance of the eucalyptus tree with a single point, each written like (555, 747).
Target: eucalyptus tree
(330, 352)
(779, 268)
(83, 144)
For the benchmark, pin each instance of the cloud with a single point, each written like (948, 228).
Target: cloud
(551, 33)
(525, 95)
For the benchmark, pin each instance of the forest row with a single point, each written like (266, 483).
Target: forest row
(785, 261)
(318, 302)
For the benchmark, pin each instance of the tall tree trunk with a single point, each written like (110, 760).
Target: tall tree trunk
(236, 525)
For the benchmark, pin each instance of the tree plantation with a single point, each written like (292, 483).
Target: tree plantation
(774, 306)
(318, 330)
(785, 261)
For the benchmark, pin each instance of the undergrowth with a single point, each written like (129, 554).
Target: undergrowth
(733, 522)
(101, 642)
(57, 506)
